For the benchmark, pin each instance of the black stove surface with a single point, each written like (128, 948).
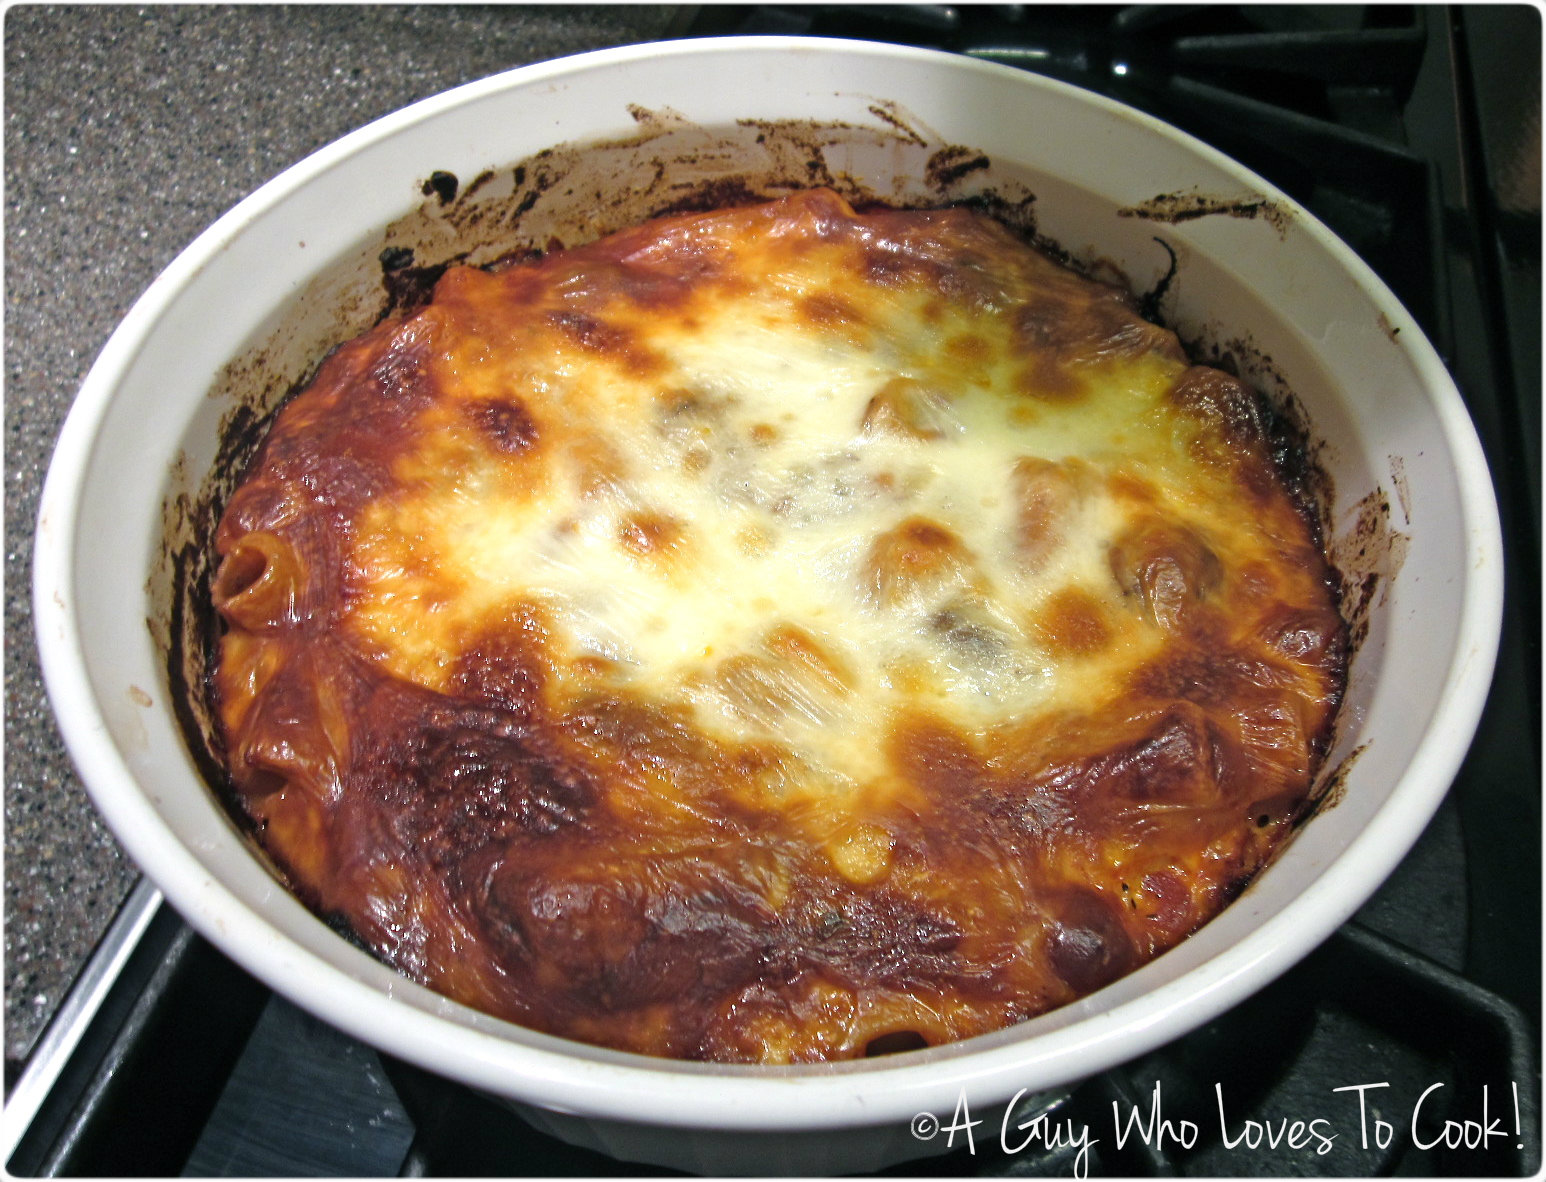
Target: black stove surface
(1409, 1042)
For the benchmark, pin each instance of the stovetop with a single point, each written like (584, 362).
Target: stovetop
(1409, 1043)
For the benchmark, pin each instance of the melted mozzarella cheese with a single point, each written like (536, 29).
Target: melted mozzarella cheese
(740, 486)
(645, 642)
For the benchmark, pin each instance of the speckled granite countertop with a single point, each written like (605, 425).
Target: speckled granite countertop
(127, 132)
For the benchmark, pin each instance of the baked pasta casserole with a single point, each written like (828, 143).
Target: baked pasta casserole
(775, 634)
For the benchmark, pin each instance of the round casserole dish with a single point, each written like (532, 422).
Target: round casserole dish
(293, 269)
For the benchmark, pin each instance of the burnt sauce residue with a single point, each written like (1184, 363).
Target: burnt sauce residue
(891, 113)
(1333, 783)
(569, 194)
(1174, 208)
(950, 164)
(442, 185)
(1367, 557)
(1151, 301)
(408, 286)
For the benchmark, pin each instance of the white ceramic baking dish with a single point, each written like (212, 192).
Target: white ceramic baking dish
(250, 306)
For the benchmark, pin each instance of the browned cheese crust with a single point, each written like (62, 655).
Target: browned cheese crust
(772, 634)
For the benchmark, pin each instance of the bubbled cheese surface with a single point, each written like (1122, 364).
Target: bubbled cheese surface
(829, 564)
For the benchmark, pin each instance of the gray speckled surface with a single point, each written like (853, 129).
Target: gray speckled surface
(127, 131)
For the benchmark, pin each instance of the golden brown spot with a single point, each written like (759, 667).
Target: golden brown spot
(833, 313)
(1129, 486)
(607, 339)
(1222, 402)
(507, 660)
(767, 689)
(764, 434)
(909, 676)
(1066, 328)
(905, 406)
(935, 757)
(589, 332)
(295, 830)
(504, 422)
(1212, 674)
(1168, 566)
(1312, 635)
(1073, 623)
(798, 646)
(646, 534)
(1048, 377)
(969, 349)
(1088, 323)
(1047, 493)
(1025, 414)
(598, 466)
(914, 555)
